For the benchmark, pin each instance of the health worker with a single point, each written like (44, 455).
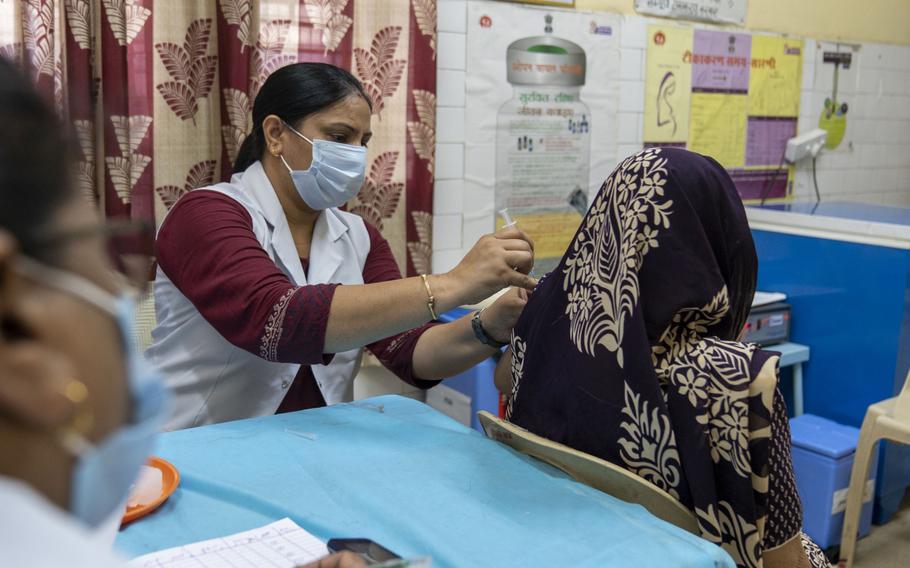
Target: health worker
(267, 291)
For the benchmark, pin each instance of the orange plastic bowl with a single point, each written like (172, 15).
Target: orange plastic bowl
(170, 479)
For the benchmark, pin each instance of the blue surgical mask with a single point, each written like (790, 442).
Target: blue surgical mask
(104, 472)
(335, 175)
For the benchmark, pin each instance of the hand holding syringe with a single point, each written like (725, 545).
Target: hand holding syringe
(507, 220)
(499, 260)
(500, 312)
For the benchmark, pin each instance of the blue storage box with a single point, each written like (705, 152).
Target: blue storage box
(823, 452)
(461, 397)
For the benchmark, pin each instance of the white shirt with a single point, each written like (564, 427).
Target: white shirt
(35, 533)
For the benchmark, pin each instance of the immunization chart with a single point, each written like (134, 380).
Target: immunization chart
(732, 96)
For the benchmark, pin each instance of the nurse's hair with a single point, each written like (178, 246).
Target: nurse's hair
(35, 161)
(293, 93)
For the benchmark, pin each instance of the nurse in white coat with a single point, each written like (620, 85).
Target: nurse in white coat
(266, 292)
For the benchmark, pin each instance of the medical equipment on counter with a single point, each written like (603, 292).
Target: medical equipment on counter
(768, 324)
(769, 320)
(765, 298)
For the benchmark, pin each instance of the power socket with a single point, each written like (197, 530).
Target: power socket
(808, 144)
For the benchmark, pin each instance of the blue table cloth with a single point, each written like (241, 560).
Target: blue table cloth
(398, 472)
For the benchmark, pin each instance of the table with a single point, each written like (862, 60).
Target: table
(793, 354)
(396, 471)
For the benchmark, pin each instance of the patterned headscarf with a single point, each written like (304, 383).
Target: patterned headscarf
(628, 350)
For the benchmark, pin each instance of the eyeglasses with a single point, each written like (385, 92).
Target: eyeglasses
(130, 245)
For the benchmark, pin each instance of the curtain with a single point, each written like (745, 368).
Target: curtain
(159, 93)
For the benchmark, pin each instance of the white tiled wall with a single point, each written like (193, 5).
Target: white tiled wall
(633, 41)
(448, 196)
(873, 163)
(874, 169)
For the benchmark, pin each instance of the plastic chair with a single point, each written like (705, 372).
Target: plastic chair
(885, 420)
(591, 471)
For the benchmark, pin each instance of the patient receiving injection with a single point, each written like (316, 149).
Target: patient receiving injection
(629, 351)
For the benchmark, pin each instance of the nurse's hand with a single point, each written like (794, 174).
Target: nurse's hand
(341, 560)
(496, 261)
(501, 316)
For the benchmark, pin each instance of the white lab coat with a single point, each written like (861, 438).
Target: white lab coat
(35, 533)
(215, 381)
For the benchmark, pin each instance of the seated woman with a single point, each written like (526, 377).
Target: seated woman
(630, 351)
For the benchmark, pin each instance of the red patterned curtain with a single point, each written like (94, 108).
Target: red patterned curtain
(159, 94)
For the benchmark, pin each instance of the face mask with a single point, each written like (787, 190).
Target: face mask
(103, 473)
(335, 175)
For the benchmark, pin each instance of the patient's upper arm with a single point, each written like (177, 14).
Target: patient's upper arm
(502, 377)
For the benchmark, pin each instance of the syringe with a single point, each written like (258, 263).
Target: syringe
(506, 218)
(509, 222)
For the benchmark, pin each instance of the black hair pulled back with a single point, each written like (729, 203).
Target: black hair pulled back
(292, 93)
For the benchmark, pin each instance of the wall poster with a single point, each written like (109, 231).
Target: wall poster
(730, 95)
(542, 90)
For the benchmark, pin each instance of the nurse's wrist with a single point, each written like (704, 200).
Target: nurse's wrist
(450, 292)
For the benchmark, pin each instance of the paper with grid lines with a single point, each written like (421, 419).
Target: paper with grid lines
(281, 544)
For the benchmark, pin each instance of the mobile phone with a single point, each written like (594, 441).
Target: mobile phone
(372, 552)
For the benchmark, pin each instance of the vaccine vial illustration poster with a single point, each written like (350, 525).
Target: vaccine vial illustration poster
(541, 104)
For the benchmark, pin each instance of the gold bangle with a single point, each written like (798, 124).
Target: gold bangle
(431, 299)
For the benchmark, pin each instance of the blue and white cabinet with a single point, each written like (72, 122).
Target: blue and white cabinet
(845, 268)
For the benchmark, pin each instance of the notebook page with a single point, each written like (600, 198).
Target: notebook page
(281, 544)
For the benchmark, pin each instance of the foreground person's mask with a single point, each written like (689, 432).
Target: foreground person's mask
(104, 472)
